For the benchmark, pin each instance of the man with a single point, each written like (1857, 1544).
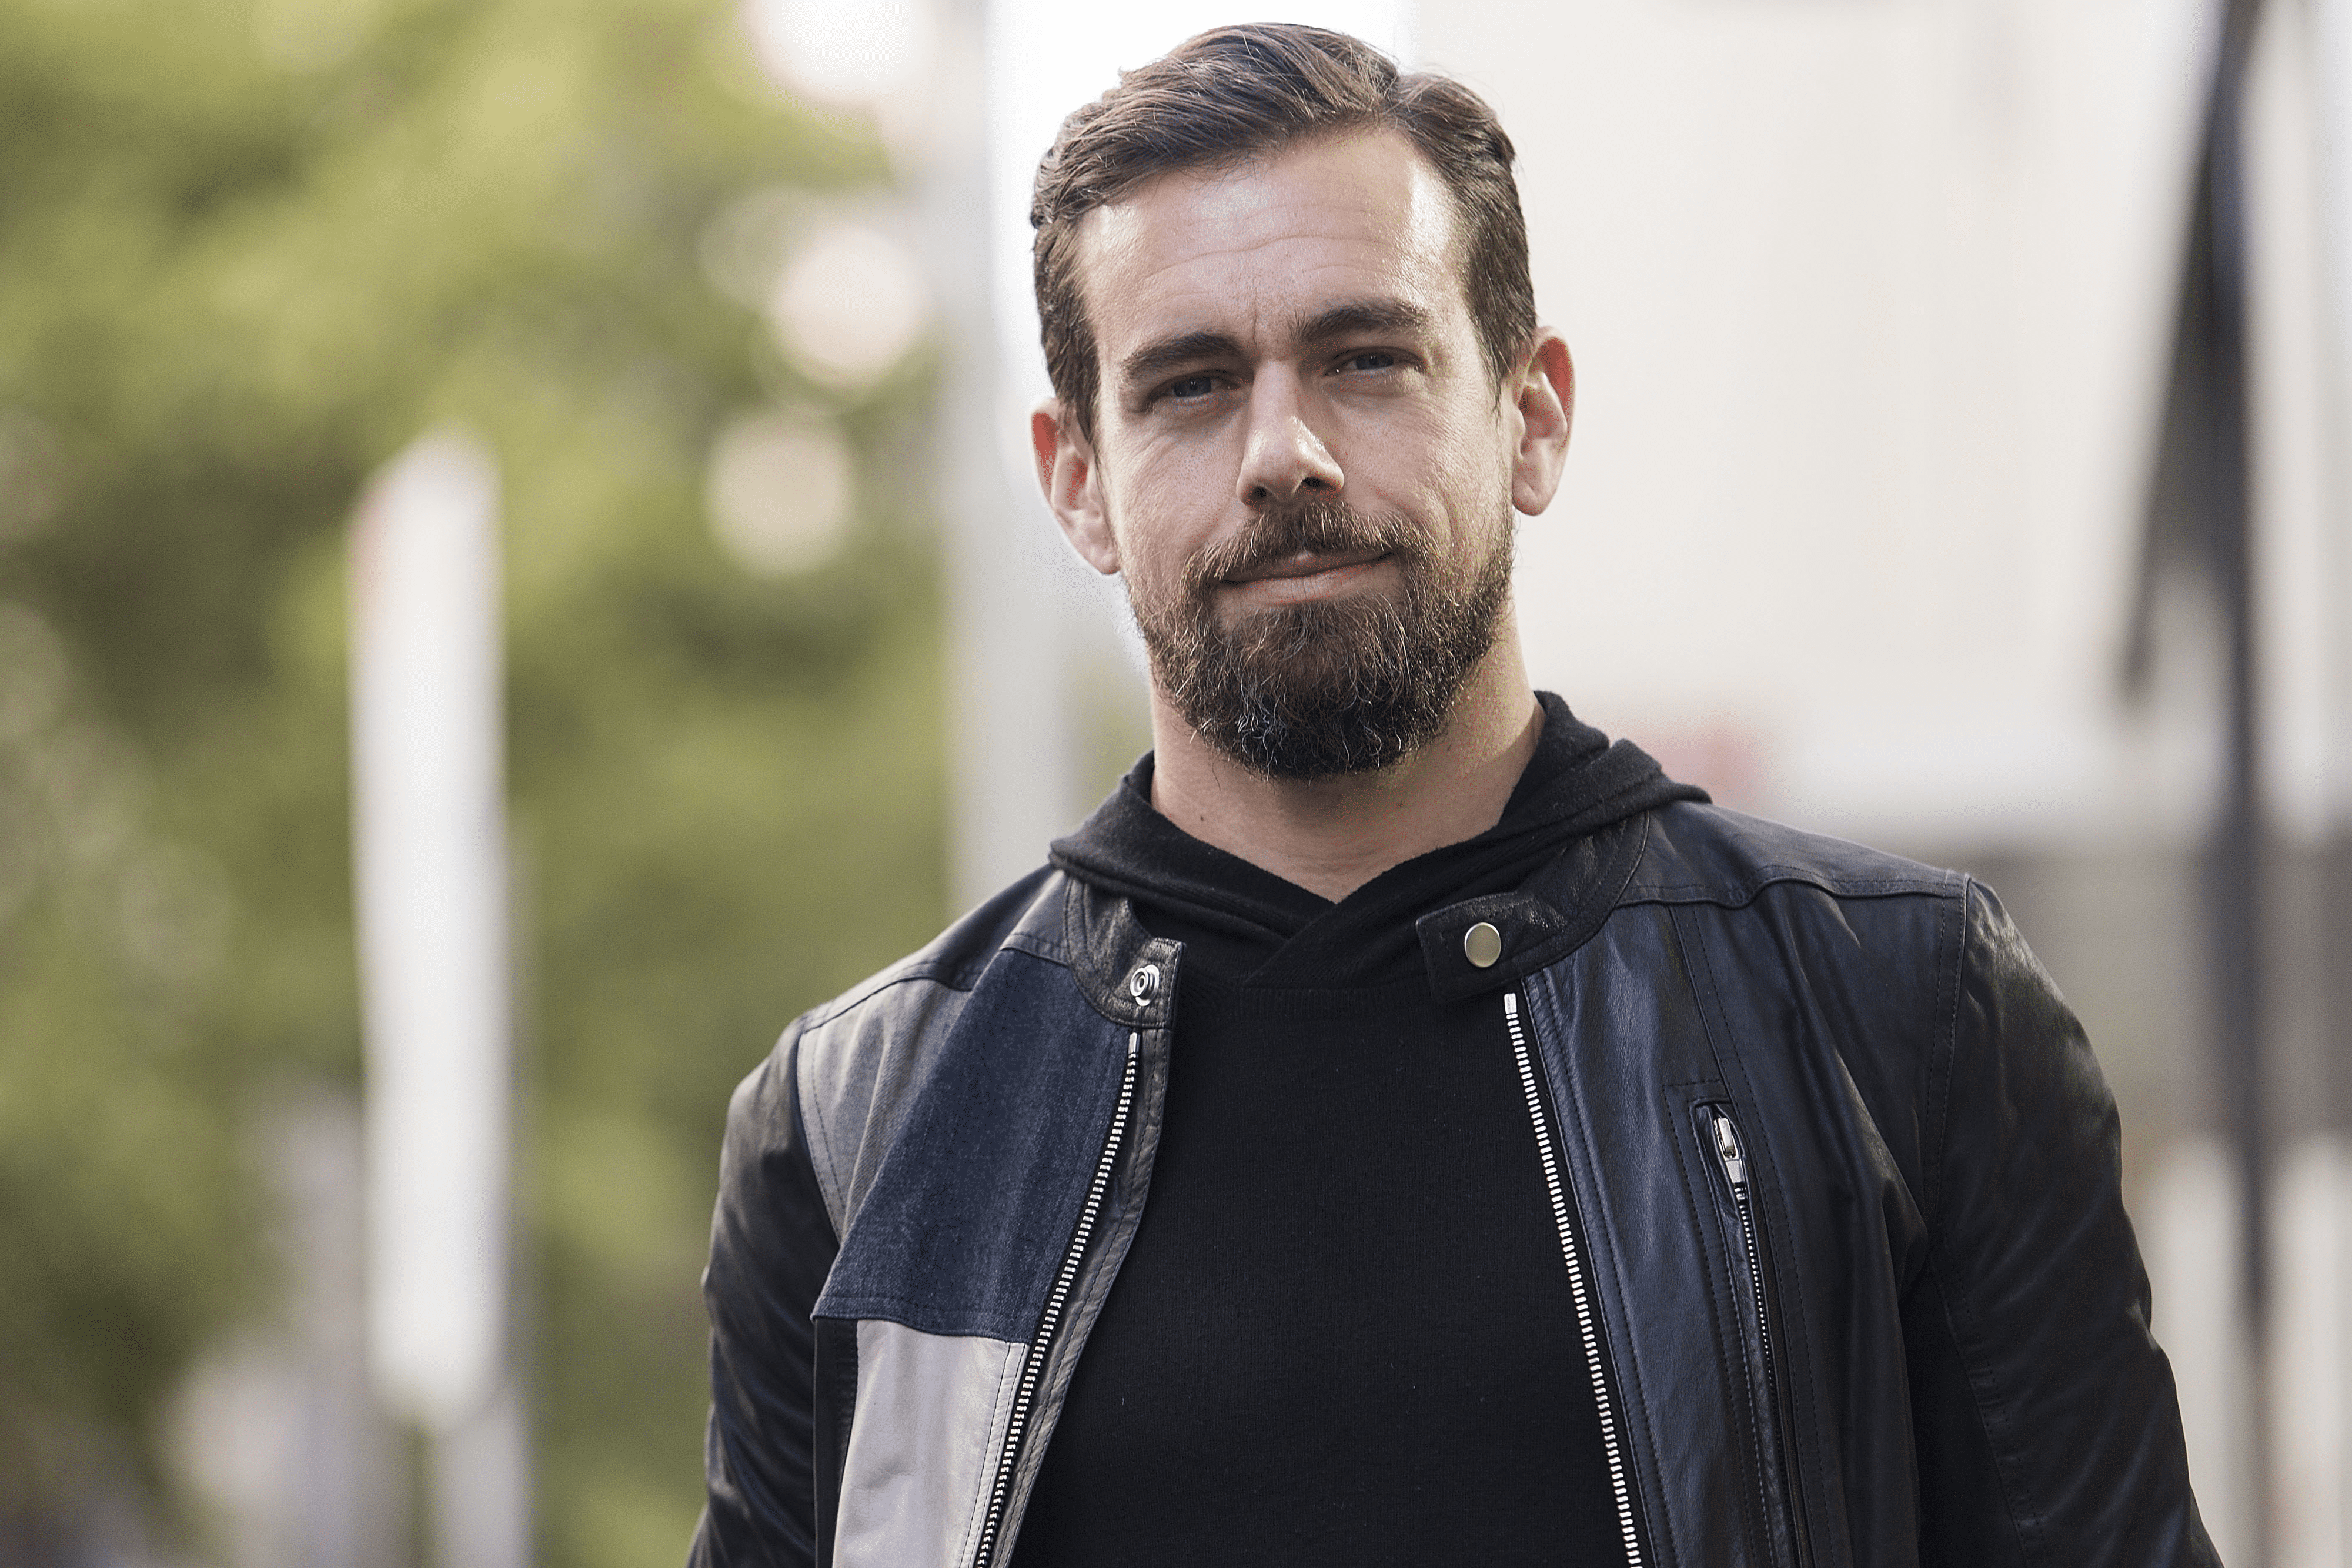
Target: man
(1401, 1126)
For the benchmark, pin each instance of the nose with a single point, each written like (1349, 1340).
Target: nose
(1283, 459)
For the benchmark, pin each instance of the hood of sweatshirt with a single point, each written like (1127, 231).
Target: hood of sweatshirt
(1243, 925)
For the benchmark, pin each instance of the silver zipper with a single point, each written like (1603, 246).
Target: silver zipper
(1735, 1169)
(1734, 1159)
(1585, 1324)
(1024, 1396)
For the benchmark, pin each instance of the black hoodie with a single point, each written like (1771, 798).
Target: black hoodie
(1343, 1333)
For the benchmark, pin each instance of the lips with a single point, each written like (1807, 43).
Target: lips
(1302, 552)
(1300, 566)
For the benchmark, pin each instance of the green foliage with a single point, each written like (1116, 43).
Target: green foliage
(249, 250)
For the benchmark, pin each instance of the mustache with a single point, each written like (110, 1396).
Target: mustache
(1315, 528)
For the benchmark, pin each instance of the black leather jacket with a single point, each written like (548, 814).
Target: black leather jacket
(1836, 1172)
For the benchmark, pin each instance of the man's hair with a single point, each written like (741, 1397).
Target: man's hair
(1227, 96)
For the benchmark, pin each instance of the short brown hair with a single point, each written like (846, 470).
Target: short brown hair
(1233, 93)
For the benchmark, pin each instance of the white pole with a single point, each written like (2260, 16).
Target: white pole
(1012, 774)
(2316, 1371)
(430, 841)
(2330, 62)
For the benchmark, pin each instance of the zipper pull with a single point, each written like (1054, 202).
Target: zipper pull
(1727, 1147)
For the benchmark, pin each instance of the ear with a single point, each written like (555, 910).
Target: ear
(1067, 473)
(1543, 398)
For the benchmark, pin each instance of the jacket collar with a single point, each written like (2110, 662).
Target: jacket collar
(1127, 974)
(1130, 977)
(1555, 912)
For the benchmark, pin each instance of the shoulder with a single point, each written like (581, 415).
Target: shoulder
(1769, 910)
(1026, 915)
(839, 1079)
(1695, 853)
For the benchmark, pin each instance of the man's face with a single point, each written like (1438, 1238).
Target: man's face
(1303, 468)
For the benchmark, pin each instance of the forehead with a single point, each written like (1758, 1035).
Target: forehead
(1242, 249)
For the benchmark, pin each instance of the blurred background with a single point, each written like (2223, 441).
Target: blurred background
(1949, 474)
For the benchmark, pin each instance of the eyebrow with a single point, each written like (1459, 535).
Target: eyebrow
(1361, 317)
(1174, 353)
(1354, 317)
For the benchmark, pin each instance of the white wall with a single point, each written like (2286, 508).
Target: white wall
(1869, 302)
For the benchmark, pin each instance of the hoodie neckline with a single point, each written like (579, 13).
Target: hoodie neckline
(1242, 925)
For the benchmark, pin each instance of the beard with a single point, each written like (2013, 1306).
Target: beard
(1331, 686)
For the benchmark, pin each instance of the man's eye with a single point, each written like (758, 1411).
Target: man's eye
(1191, 389)
(1371, 359)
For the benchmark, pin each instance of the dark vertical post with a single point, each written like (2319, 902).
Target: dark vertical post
(2200, 520)
(2234, 870)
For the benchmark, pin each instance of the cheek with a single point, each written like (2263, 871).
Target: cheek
(1455, 474)
(1481, 444)
(1162, 520)
(1144, 554)
(1431, 446)
(1185, 473)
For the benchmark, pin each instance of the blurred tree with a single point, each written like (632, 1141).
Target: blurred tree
(248, 249)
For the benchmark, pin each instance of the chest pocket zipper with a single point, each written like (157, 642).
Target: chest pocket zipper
(1722, 1134)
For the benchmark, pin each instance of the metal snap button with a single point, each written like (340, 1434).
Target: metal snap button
(1481, 944)
(1144, 983)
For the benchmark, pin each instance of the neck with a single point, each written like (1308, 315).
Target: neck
(1330, 836)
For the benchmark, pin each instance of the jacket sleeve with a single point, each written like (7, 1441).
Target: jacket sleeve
(2047, 1427)
(771, 1246)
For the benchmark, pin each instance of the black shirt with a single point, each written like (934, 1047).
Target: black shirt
(1344, 1332)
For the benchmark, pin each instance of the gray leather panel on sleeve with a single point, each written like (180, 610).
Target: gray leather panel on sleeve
(856, 1071)
(932, 1411)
